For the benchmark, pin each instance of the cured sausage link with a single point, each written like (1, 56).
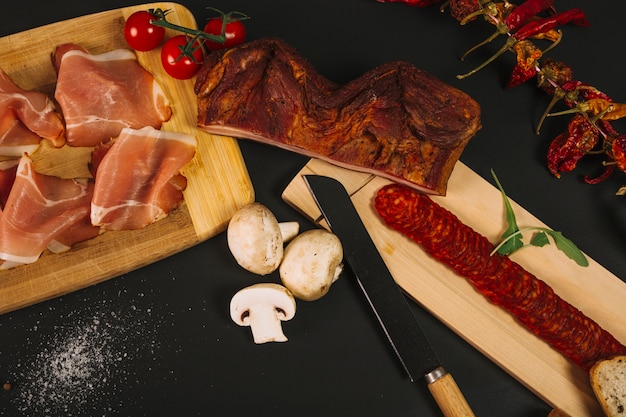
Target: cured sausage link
(505, 283)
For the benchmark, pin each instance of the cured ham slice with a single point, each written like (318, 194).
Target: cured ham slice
(25, 118)
(138, 179)
(15, 138)
(395, 120)
(102, 94)
(79, 231)
(38, 209)
(8, 170)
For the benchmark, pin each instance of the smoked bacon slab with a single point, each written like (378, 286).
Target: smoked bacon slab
(395, 120)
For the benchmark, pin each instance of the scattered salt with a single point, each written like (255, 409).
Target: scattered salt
(82, 360)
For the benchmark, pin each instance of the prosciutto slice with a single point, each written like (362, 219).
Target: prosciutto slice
(25, 118)
(8, 170)
(38, 209)
(79, 231)
(138, 180)
(102, 94)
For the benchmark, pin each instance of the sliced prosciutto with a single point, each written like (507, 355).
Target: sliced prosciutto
(138, 179)
(8, 170)
(25, 118)
(79, 231)
(38, 209)
(102, 94)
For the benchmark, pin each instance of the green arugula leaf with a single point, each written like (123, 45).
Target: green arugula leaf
(540, 239)
(568, 248)
(512, 236)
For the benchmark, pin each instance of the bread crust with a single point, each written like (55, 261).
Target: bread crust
(608, 380)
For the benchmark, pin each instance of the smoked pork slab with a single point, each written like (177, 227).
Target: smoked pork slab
(395, 120)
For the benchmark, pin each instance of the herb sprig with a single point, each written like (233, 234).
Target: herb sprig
(512, 238)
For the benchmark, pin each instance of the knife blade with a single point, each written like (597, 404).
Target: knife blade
(384, 296)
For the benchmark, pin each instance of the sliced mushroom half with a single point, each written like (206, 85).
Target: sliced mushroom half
(263, 307)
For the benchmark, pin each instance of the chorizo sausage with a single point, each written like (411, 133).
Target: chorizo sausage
(504, 282)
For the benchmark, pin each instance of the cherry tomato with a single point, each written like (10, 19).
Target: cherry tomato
(140, 34)
(175, 63)
(235, 32)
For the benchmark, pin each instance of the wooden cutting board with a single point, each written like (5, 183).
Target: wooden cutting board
(491, 330)
(218, 181)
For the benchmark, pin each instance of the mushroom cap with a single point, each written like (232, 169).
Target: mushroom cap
(262, 294)
(255, 239)
(312, 261)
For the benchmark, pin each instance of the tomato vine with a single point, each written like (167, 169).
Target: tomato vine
(182, 54)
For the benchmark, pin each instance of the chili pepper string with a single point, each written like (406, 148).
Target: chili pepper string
(590, 131)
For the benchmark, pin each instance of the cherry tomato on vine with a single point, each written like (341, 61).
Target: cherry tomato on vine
(235, 32)
(140, 34)
(175, 62)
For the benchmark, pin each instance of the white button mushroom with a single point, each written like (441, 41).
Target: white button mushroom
(262, 307)
(256, 239)
(311, 263)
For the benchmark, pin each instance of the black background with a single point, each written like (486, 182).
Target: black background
(159, 341)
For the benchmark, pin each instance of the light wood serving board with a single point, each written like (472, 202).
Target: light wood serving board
(594, 290)
(218, 180)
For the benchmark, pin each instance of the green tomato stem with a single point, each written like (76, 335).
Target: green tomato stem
(161, 20)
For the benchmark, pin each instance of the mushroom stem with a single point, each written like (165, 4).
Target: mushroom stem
(265, 323)
(262, 307)
(289, 230)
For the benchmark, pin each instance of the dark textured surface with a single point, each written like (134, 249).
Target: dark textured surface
(159, 341)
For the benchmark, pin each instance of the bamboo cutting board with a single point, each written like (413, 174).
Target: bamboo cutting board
(218, 181)
(491, 330)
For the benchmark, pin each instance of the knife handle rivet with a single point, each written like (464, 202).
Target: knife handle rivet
(435, 374)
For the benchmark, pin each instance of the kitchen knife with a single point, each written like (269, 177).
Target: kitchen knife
(384, 296)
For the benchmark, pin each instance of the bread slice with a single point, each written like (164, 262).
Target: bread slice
(608, 379)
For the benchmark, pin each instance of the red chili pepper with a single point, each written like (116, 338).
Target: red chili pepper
(608, 171)
(415, 3)
(553, 74)
(570, 146)
(546, 24)
(534, 28)
(460, 9)
(527, 63)
(576, 91)
(618, 149)
(526, 11)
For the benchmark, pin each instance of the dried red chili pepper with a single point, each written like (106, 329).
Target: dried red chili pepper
(525, 12)
(570, 146)
(415, 3)
(571, 92)
(553, 74)
(618, 149)
(601, 108)
(494, 13)
(460, 9)
(546, 24)
(527, 63)
(577, 91)
(533, 28)
(608, 171)
(503, 282)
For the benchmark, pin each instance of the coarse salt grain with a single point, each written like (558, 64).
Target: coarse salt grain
(82, 361)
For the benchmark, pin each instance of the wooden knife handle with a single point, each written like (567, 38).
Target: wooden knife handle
(447, 394)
